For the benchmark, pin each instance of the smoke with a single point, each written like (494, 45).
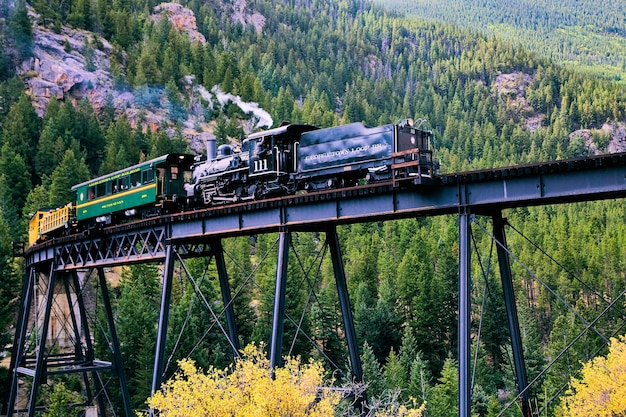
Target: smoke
(263, 118)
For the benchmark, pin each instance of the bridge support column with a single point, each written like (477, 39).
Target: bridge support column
(164, 315)
(346, 311)
(118, 365)
(78, 351)
(465, 402)
(278, 320)
(218, 253)
(19, 339)
(511, 312)
(60, 358)
(344, 302)
(40, 350)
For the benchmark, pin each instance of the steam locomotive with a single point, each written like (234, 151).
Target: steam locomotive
(282, 161)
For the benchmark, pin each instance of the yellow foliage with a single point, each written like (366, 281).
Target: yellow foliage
(246, 389)
(601, 390)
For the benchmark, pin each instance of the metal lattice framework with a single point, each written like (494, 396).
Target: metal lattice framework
(135, 246)
(198, 233)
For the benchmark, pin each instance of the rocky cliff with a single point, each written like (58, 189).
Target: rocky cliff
(74, 65)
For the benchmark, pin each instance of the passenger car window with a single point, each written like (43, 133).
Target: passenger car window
(147, 176)
(123, 184)
(135, 179)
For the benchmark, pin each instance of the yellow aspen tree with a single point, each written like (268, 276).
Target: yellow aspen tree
(601, 389)
(246, 389)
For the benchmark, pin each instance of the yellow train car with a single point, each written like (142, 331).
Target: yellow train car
(46, 222)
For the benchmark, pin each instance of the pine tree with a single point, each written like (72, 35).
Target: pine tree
(15, 184)
(372, 374)
(420, 380)
(21, 27)
(50, 150)
(9, 281)
(37, 199)
(239, 267)
(395, 374)
(71, 171)
(87, 130)
(122, 149)
(190, 320)
(444, 396)
(21, 130)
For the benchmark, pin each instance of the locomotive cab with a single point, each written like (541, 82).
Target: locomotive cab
(273, 159)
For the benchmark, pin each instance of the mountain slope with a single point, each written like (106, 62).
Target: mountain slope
(590, 35)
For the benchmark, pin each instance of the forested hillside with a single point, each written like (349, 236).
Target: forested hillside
(489, 103)
(587, 35)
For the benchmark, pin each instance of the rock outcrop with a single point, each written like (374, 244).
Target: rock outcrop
(181, 18)
(67, 64)
(75, 64)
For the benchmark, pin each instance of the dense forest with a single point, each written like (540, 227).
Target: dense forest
(587, 35)
(328, 63)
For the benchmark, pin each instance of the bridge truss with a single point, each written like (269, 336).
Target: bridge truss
(67, 263)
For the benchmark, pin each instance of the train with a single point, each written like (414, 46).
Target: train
(289, 159)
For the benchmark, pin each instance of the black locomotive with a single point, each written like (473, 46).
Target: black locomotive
(297, 157)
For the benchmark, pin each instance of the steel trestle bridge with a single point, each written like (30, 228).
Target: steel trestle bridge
(166, 239)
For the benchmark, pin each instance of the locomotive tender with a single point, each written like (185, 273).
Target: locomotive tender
(282, 161)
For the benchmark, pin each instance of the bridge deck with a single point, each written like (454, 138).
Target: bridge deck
(484, 191)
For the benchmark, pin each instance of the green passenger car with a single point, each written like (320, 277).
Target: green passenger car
(150, 187)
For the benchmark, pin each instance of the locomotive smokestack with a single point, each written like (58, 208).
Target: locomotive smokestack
(210, 149)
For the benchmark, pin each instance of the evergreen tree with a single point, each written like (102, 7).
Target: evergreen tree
(50, 150)
(71, 171)
(9, 282)
(420, 380)
(37, 199)
(15, 185)
(444, 396)
(22, 30)
(395, 374)
(239, 267)
(21, 130)
(9, 292)
(10, 92)
(196, 336)
(87, 130)
(372, 374)
(122, 148)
